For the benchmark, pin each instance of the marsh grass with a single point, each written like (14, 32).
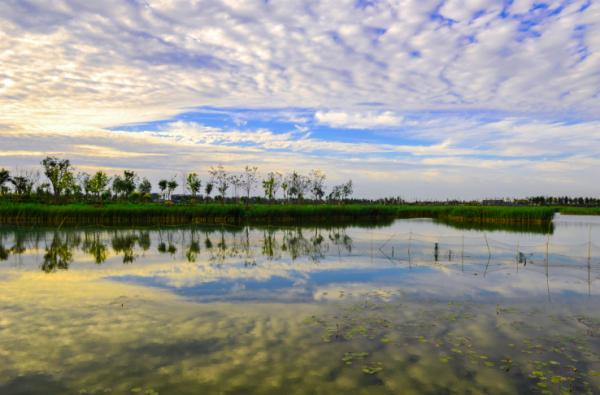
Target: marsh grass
(160, 214)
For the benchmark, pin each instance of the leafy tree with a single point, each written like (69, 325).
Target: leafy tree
(23, 185)
(297, 185)
(208, 188)
(248, 181)
(342, 191)
(125, 185)
(162, 185)
(97, 183)
(220, 179)
(59, 173)
(193, 183)
(171, 186)
(271, 185)
(145, 187)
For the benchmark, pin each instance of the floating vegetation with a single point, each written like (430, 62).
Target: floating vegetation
(349, 357)
(551, 361)
(372, 368)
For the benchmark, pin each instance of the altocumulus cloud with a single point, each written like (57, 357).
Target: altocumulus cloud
(455, 98)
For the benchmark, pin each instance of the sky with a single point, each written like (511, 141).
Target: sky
(413, 98)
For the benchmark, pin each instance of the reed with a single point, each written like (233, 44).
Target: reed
(580, 210)
(160, 214)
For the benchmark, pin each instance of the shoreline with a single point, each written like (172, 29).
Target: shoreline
(126, 214)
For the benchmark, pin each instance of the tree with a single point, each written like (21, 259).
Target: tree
(162, 185)
(271, 185)
(219, 177)
(145, 187)
(4, 178)
(171, 186)
(317, 184)
(193, 183)
(24, 182)
(126, 184)
(341, 192)
(248, 180)
(59, 173)
(208, 188)
(236, 183)
(297, 185)
(347, 189)
(97, 184)
(285, 186)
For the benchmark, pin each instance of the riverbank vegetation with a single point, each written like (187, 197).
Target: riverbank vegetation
(60, 195)
(161, 214)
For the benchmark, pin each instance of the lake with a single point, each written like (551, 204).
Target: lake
(417, 307)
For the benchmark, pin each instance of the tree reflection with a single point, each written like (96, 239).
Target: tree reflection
(58, 255)
(93, 245)
(4, 253)
(125, 243)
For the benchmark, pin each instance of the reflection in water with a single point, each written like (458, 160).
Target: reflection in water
(58, 254)
(93, 245)
(417, 307)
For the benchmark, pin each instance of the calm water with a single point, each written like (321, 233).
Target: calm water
(415, 307)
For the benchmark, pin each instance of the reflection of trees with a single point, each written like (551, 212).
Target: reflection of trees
(93, 245)
(164, 247)
(19, 246)
(341, 240)
(3, 253)
(144, 240)
(193, 249)
(223, 244)
(297, 245)
(58, 254)
(270, 246)
(125, 243)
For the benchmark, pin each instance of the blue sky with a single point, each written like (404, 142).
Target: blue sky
(422, 99)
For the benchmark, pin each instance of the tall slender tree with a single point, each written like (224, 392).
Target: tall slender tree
(193, 184)
(220, 179)
(249, 179)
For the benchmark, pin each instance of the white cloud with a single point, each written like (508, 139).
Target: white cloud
(72, 69)
(358, 120)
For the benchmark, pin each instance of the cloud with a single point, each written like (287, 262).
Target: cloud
(366, 120)
(459, 89)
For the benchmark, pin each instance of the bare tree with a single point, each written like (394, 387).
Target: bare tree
(317, 184)
(236, 183)
(249, 180)
(219, 178)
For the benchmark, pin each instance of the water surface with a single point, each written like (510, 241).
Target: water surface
(415, 307)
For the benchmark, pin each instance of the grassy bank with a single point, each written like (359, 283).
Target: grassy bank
(160, 214)
(580, 210)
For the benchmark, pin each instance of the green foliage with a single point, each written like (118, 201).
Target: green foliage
(96, 184)
(59, 174)
(125, 185)
(193, 183)
(145, 187)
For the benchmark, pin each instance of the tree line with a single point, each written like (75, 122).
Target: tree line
(59, 181)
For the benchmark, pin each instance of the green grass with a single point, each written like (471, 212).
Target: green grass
(580, 210)
(161, 214)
